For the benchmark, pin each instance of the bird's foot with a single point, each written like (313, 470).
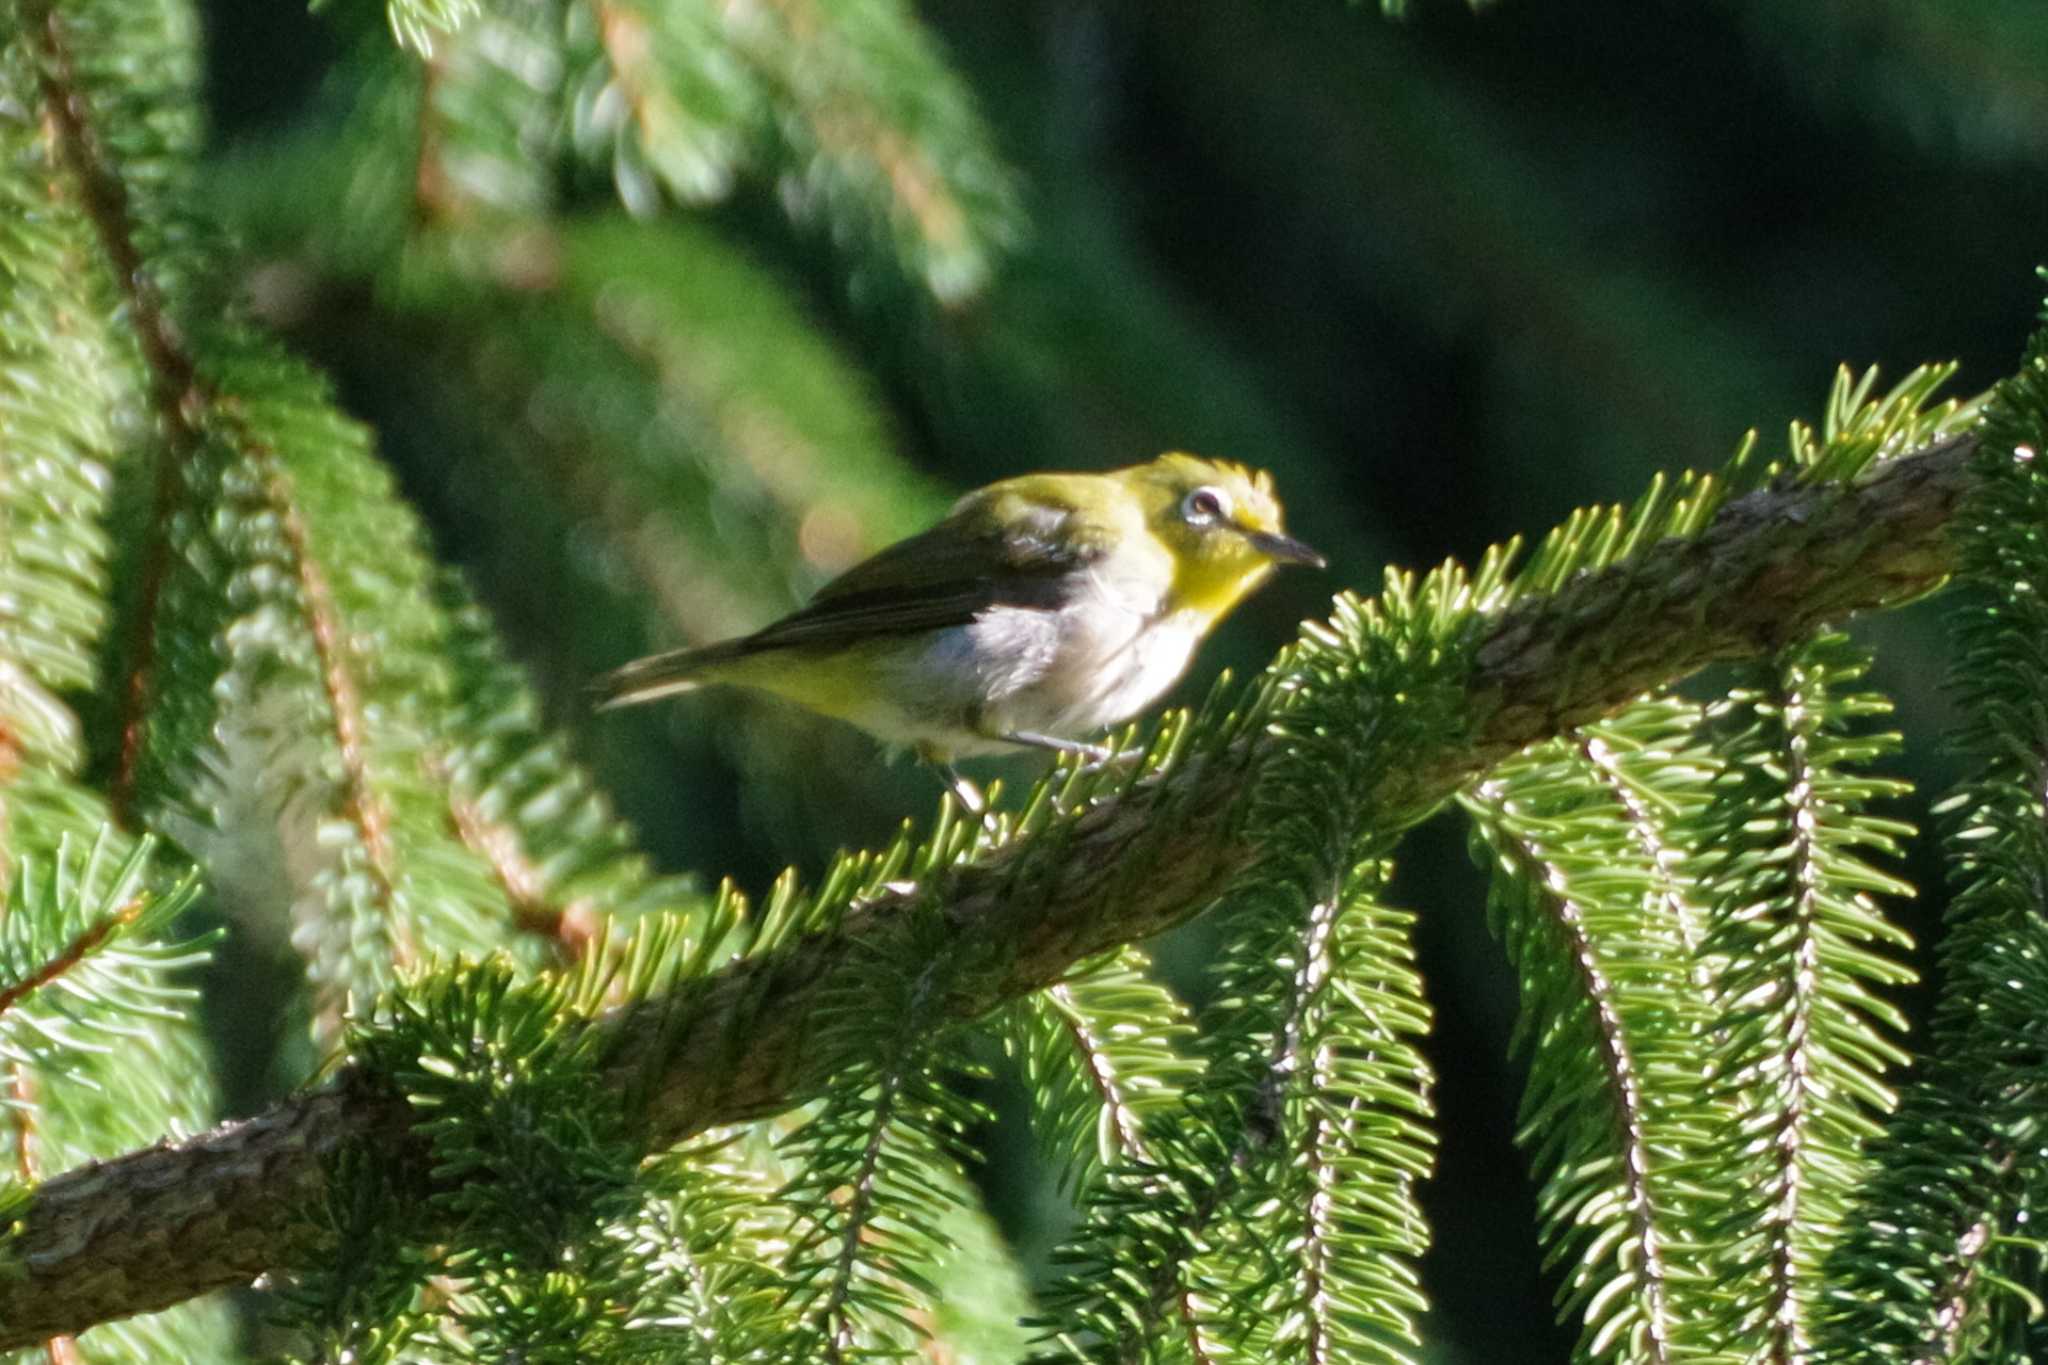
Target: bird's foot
(1094, 754)
(965, 794)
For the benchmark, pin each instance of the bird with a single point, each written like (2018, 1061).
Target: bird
(1040, 609)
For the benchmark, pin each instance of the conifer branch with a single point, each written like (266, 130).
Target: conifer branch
(174, 387)
(104, 198)
(1794, 1123)
(1955, 1293)
(1802, 1034)
(1939, 1258)
(839, 1327)
(852, 129)
(141, 680)
(572, 924)
(533, 818)
(1317, 1231)
(1632, 1118)
(362, 805)
(1166, 1283)
(1169, 1280)
(73, 953)
(163, 1224)
(1603, 761)
(1107, 1047)
(1102, 1075)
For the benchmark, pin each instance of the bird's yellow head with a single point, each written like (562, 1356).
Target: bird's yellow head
(1221, 524)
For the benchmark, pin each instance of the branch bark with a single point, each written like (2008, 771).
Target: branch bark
(155, 1227)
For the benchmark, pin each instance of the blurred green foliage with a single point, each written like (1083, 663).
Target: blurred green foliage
(1448, 277)
(664, 311)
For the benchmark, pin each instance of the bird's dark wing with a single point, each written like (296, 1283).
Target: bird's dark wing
(945, 576)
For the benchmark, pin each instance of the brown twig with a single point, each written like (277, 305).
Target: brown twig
(74, 953)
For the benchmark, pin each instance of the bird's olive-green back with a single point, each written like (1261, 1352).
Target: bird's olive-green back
(1020, 542)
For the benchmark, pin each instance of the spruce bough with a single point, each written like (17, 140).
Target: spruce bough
(1771, 566)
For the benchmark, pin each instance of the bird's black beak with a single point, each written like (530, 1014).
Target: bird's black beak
(1285, 549)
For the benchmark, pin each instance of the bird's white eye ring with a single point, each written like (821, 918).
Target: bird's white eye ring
(1205, 505)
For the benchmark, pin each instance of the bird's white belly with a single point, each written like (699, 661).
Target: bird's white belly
(1095, 668)
(1065, 673)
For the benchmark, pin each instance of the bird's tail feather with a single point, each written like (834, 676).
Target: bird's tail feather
(663, 675)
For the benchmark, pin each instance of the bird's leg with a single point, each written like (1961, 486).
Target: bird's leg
(965, 792)
(1098, 756)
(1031, 739)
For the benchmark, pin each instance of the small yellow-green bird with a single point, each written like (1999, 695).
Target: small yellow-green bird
(1041, 608)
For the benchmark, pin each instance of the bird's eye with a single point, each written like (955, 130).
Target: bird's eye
(1204, 505)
